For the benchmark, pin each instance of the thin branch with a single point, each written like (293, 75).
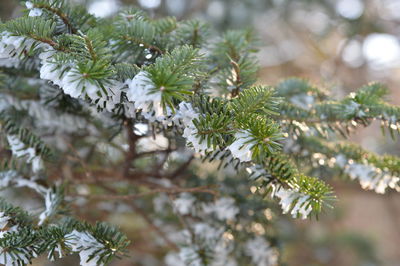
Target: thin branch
(60, 14)
(174, 190)
(144, 215)
(90, 48)
(49, 42)
(132, 139)
(235, 92)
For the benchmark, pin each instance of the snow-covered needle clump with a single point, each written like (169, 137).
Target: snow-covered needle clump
(223, 208)
(141, 92)
(19, 149)
(208, 242)
(75, 84)
(15, 48)
(12, 178)
(47, 117)
(261, 253)
(293, 201)
(190, 256)
(372, 178)
(19, 255)
(3, 220)
(207, 233)
(369, 176)
(65, 77)
(184, 203)
(12, 48)
(225, 249)
(51, 204)
(86, 245)
(185, 114)
(79, 85)
(190, 134)
(241, 147)
(173, 259)
(34, 12)
(50, 70)
(147, 99)
(11, 257)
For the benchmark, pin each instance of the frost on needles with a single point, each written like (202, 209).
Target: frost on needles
(143, 111)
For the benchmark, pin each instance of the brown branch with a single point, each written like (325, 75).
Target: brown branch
(238, 80)
(168, 190)
(90, 48)
(60, 14)
(132, 139)
(49, 42)
(144, 215)
(44, 40)
(78, 159)
(195, 36)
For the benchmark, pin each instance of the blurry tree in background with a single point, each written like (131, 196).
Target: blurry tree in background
(328, 41)
(339, 44)
(325, 40)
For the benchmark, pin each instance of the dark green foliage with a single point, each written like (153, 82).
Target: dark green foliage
(174, 74)
(70, 18)
(9, 123)
(29, 240)
(235, 66)
(18, 216)
(114, 241)
(284, 128)
(193, 32)
(256, 100)
(34, 27)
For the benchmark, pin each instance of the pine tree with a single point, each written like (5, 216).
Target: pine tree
(166, 117)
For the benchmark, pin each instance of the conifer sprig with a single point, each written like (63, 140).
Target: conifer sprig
(90, 96)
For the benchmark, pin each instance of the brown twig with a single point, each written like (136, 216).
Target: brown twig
(144, 215)
(235, 92)
(168, 190)
(132, 139)
(60, 14)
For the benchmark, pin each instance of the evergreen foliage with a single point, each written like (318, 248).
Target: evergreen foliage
(76, 92)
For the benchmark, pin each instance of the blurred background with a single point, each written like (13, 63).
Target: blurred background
(337, 44)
